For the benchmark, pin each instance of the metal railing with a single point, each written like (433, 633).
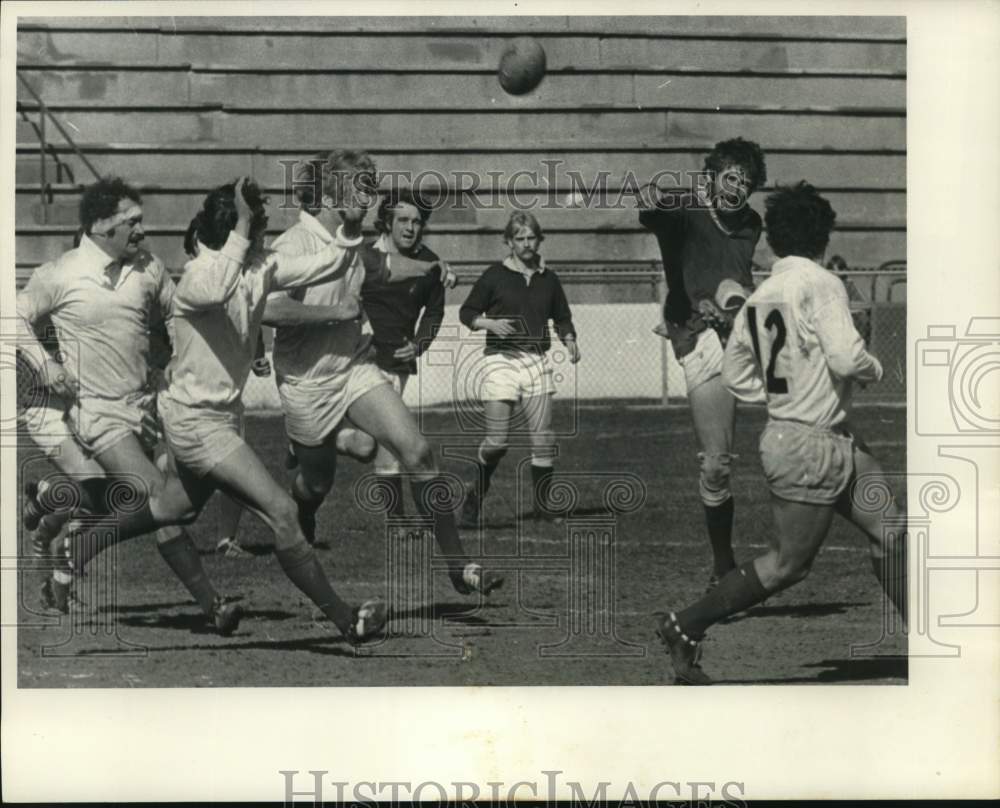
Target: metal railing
(45, 148)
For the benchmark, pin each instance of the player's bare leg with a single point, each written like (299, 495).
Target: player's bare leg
(230, 513)
(885, 528)
(800, 530)
(313, 481)
(713, 410)
(128, 461)
(491, 452)
(382, 414)
(538, 414)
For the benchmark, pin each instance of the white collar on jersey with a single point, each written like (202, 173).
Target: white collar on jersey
(514, 265)
(311, 223)
(792, 262)
(95, 256)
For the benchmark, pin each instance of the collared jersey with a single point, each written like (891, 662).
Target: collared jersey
(218, 307)
(305, 353)
(102, 311)
(697, 254)
(395, 292)
(794, 342)
(529, 298)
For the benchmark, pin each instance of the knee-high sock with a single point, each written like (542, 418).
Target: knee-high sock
(182, 557)
(394, 482)
(541, 482)
(719, 520)
(303, 569)
(488, 460)
(445, 529)
(91, 493)
(737, 590)
(89, 536)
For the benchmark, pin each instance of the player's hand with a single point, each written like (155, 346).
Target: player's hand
(407, 353)
(574, 351)
(501, 327)
(60, 381)
(713, 316)
(243, 210)
(448, 276)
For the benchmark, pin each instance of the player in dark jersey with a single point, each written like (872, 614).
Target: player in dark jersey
(707, 237)
(402, 285)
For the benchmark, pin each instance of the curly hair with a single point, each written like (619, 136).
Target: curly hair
(392, 200)
(326, 173)
(798, 221)
(744, 153)
(519, 219)
(217, 217)
(100, 200)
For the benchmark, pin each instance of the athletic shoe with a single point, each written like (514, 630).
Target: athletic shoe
(226, 616)
(230, 548)
(476, 579)
(33, 512)
(684, 652)
(471, 507)
(367, 621)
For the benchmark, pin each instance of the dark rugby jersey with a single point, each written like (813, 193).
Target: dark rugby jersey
(393, 304)
(503, 293)
(697, 255)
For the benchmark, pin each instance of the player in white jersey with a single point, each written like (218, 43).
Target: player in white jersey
(218, 307)
(795, 346)
(102, 297)
(327, 373)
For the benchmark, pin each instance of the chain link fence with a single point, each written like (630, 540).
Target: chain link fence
(615, 311)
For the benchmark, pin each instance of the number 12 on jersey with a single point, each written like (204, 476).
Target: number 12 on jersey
(776, 333)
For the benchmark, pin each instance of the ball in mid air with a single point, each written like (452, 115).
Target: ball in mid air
(522, 66)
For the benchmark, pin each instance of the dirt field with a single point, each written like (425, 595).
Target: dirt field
(576, 608)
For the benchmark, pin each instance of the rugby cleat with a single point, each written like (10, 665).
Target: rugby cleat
(230, 548)
(226, 616)
(476, 579)
(470, 507)
(684, 651)
(367, 621)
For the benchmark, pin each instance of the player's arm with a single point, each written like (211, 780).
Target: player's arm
(740, 370)
(329, 264)
(208, 284)
(840, 341)
(35, 301)
(562, 318)
(657, 206)
(283, 310)
(431, 318)
(472, 312)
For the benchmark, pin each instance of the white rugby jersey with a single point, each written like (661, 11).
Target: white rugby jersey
(101, 310)
(795, 345)
(218, 307)
(314, 352)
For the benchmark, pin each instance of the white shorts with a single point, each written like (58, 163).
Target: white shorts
(511, 377)
(397, 380)
(806, 464)
(201, 437)
(100, 424)
(705, 360)
(44, 421)
(314, 409)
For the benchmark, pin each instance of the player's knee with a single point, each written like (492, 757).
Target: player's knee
(417, 456)
(714, 479)
(792, 570)
(284, 514)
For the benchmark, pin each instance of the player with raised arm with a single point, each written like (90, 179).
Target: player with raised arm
(403, 285)
(101, 298)
(795, 345)
(513, 302)
(218, 307)
(707, 237)
(327, 375)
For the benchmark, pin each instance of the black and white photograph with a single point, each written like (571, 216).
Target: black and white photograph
(361, 350)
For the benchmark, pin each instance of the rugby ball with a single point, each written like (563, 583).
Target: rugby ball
(522, 66)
